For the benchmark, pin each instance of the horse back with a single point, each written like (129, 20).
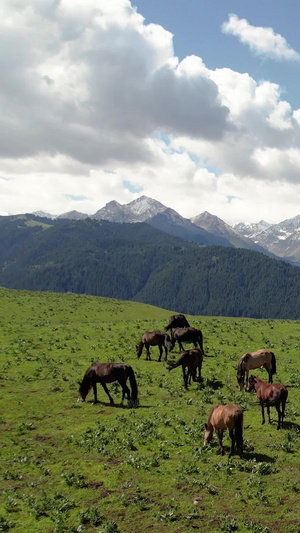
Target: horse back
(224, 416)
(271, 392)
(185, 333)
(153, 337)
(256, 359)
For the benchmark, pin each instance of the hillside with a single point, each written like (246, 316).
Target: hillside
(140, 263)
(70, 466)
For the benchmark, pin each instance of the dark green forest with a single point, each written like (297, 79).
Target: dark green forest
(140, 263)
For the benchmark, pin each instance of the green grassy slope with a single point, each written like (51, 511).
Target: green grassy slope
(69, 466)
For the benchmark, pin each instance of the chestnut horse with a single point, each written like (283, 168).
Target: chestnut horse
(177, 321)
(189, 334)
(154, 338)
(107, 373)
(190, 360)
(224, 417)
(252, 360)
(269, 394)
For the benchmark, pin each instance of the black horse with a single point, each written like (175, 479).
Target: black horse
(190, 361)
(177, 321)
(107, 373)
(192, 335)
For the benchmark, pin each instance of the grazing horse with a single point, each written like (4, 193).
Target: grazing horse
(187, 335)
(107, 373)
(252, 360)
(154, 338)
(269, 394)
(224, 417)
(190, 360)
(177, 321)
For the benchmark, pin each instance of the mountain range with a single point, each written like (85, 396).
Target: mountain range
(136, 261)
(275, 240)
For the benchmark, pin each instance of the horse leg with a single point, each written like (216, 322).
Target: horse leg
(185, 376)
(279, 415)
(220, 438)
(247, 378)
(125, 390)
(160, 352)
(166, 354)
(268, 411)
(232, 436)
(181, 347)
(107, 392)
(283, 402)
(262, 412)
(95, 392)
(148, 356)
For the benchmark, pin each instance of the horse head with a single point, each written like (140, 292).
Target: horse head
(251, 383)
(207, 434)
(138, 350)
(240, 376)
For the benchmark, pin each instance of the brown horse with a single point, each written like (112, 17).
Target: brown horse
(189, 334)
(177, 321)
(224, 417)
(154, 338)
(252, 360)
(269, 394)
(107, 373)
(190, 360)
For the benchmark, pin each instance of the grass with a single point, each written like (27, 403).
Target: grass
(69, 466)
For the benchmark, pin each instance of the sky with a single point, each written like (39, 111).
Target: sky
(194, 103)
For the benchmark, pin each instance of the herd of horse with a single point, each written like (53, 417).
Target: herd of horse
(222, 417)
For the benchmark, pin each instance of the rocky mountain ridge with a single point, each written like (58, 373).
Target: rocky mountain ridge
(280, 240)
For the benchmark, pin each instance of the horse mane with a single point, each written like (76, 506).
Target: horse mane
(240, 367)
(211, 412)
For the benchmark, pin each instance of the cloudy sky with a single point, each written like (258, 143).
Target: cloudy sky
(195, 103)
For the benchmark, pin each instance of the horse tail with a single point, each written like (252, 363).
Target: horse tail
(133, 383)
(238, 426)
(281, 396)
(85, 385)
(200, 340)
(167, 340)
(273, 363)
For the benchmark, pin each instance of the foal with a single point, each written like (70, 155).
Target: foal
(269, 394)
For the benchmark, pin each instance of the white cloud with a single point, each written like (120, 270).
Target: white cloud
(262, 41)
(95, 99)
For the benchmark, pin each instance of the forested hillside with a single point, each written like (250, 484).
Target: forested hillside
(138, 262)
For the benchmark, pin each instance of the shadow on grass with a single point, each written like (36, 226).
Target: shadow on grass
(259, 457)
(118, 405)
(290, 425)
(214, 384)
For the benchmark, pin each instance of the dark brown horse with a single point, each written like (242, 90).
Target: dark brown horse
(107, 373)
(224, 417)
(189, 334)
(269, 394)
(191, 361)
(154, 338)
(252, 360)
(177, 321)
